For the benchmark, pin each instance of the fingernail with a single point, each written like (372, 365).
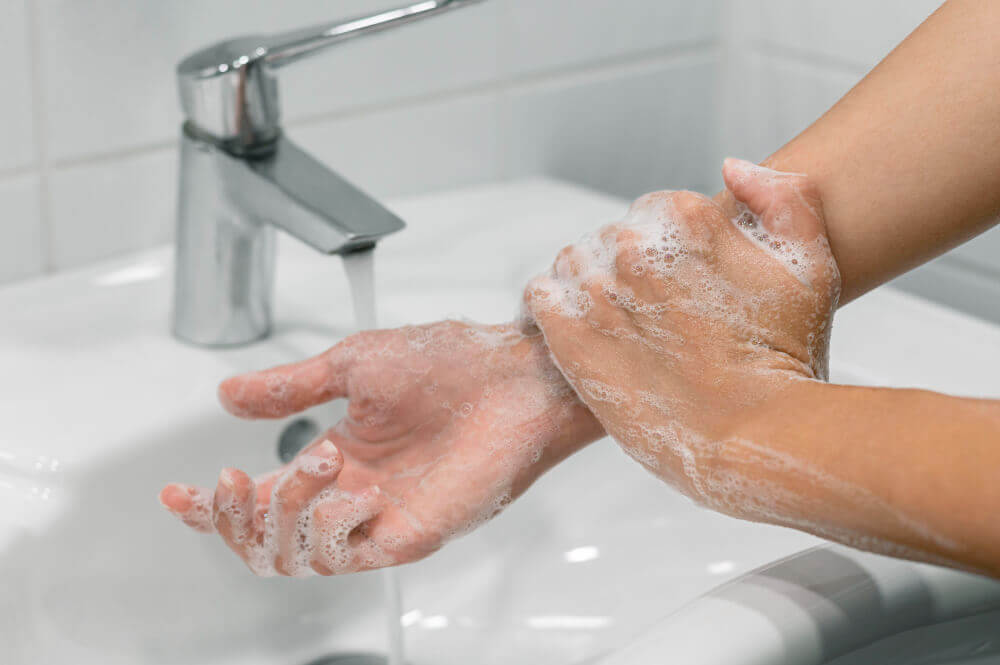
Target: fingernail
(325, 449)
(228, 478)
(172, 492)
(227, 485)
(741, 165)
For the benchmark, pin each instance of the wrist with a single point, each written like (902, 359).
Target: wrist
(572, 424)
(768, 450)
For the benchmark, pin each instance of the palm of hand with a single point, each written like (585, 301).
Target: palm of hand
(445, 424)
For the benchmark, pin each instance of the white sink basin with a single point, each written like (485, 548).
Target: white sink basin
(100, 407)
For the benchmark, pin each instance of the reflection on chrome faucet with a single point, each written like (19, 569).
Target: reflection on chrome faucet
(240, 177)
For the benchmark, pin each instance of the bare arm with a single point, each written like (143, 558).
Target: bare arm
(908, 162)
(909, 473)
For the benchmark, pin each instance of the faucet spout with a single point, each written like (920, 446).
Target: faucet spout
(240, 178)
(293, 191)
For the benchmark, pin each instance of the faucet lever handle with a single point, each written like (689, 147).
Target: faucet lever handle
(288, 47)
(228, 90)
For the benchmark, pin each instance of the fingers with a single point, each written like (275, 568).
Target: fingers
(308, 476)
(193, 505)
(288, 389)
(314, 528)
(234, 509)
(337, 546)
(787, 204)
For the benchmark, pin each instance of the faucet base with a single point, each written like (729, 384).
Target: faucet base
(224, 269)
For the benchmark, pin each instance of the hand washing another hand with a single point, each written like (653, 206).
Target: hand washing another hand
(667, 325)
(673, 324)
(695, 333)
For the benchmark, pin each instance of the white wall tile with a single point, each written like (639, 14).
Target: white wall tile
(101, 209)
(406, 151)
(545, 34)
(625, 132)
(743, 112)
(108, 65)
(861, 32)
(21, 253)
(795, 94)
(16, 108)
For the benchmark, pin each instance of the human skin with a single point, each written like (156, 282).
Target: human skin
(704, 361)
(907, 165)
(446, 423)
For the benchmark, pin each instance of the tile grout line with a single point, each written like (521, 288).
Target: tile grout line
(40, 139)
(15, 172)
(114, 155)
(819, 61)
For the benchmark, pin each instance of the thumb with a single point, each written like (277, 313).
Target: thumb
(786, 204)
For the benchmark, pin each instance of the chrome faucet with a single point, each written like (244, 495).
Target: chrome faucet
(240, 178)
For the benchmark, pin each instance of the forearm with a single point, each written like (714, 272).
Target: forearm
(908, 162)
(904, 472)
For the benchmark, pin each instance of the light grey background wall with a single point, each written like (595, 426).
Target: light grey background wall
(621, 95)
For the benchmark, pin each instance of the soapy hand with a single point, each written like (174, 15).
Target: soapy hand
(674, 323)
(446, 423)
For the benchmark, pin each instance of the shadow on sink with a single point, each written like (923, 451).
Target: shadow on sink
(113, 578)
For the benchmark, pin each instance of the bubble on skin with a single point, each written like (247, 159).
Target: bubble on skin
(327, 543)
(602, 392)
(199, 514)
(752, 495)
(731, 487)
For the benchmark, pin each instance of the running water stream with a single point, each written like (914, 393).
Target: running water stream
(360, 269)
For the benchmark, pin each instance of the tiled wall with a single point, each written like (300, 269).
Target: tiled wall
(593, 90)
(785, 62)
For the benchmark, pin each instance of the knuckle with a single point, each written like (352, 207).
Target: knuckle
(600, 291)
(565, 253)
(628, 242)
(692, 206)
(629, 254)
(686, 199)
(652, 201)
(609, 232)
